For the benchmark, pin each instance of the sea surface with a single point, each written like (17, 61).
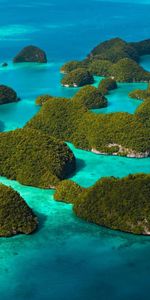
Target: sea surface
(68, 258)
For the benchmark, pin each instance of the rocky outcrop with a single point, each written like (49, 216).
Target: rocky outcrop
(7, 95)
(31, 54)
(115, 149)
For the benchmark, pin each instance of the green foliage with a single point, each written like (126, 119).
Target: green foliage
(106, 85)
(31, 54)
(67, 191)
(99, 67)
(7, 95)
(71, 66)
(90, 97)
(142, 47)
(121, 204)
(67, 120)
(139, 94)
(40, 100)
(34, 158)
(114, 50)
(127, 70)
(77, 78)
(15, 215)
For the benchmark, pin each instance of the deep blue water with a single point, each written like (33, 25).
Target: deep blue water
(68, 258)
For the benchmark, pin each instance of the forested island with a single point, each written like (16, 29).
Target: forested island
(32, 54)
(115, 134)
(37, 155)
(7, 95)
(115, 58)
(15, 215)
(34, 158)
(120, 204)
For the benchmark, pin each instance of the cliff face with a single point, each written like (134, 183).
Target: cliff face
(31, 54)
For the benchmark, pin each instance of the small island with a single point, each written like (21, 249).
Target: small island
(140, 94)
(106, 85)
(34, 158)
(90, 97)
(31, 54)
(7, 95)
(120, 204)
(15, 215)
(77, 78)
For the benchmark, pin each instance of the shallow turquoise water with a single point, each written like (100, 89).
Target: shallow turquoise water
(68, 258)
(30, 81)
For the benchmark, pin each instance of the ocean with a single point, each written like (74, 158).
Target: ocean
(68, 258)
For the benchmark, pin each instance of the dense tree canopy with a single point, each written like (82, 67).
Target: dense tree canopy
(78, 77)
(67, 120)
(31, 54)
(15, 215)
(90, 97)
(34, 158)
(7, 95)
(121, 204)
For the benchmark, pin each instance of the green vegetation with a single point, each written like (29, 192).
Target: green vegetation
(77, 78)
(7, 95)
(107, 85)
(69, 121)
(140, 94)
(121, 204)
(67, 191)
(34, 158)
(116, 58)
(114, 50)
(99, 67)
(40, 100)
(31, 54)
(71, 66)
(142, 47)
(127, 70)
(15, 215)
(90, 97)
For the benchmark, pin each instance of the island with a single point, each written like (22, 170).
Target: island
(117, 133)
(7, 95)
(31, 54)
(77, 78)
(34, 158)
(119, 204)
(90, 97)
(106, 85)
(15, 215)
(140, 94)
(114, 58)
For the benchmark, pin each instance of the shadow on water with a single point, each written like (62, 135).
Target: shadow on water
(80, 164)
(41, 220)
(2, 126)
